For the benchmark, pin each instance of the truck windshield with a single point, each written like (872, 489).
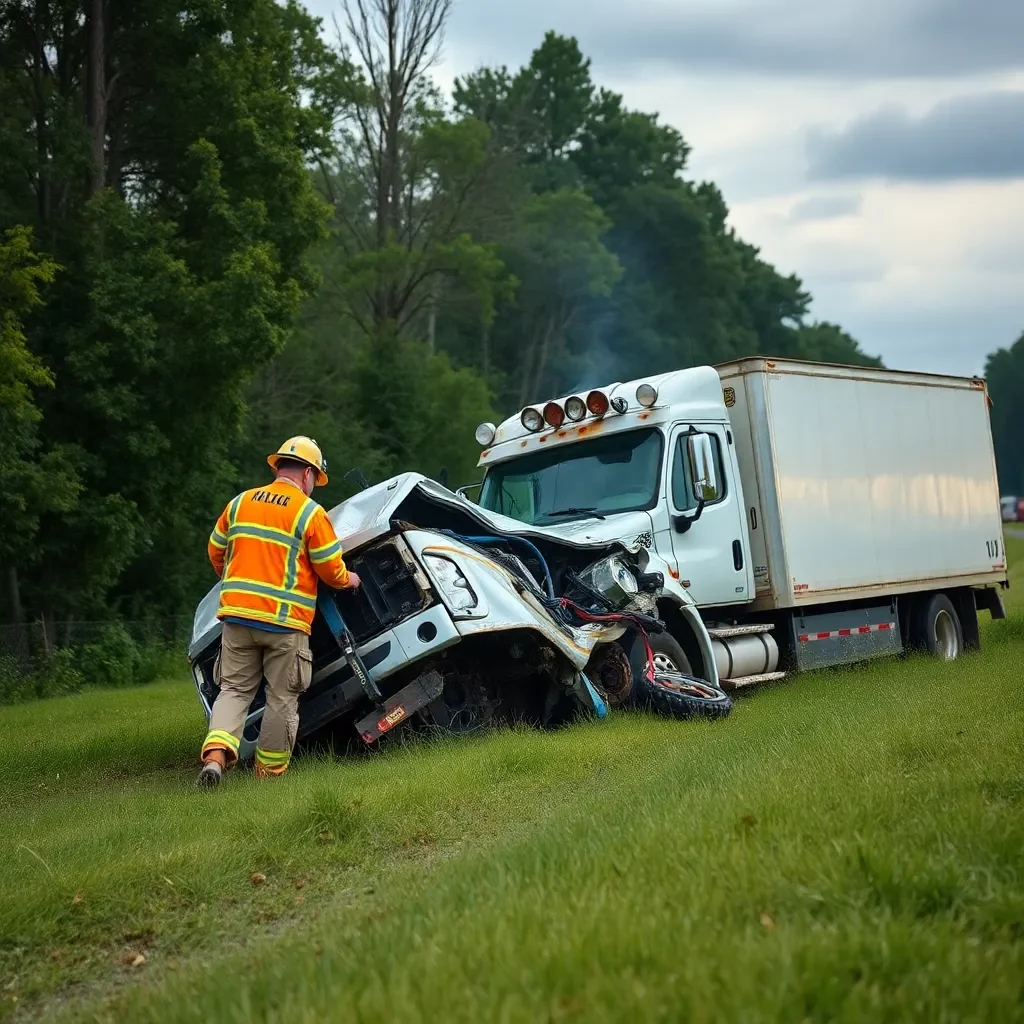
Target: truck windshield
(616, 473)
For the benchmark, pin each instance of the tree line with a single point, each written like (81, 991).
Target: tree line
(223, 222)
(1004, 371)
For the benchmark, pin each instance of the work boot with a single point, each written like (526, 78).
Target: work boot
(213, 769)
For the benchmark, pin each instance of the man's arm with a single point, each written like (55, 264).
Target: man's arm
(325, 553)
(217, 545)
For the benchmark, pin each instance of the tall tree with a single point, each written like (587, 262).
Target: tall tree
(31, 481)
(1004, 371)
(560, 258)
(407, 184)
(689, 290)
(160, 150)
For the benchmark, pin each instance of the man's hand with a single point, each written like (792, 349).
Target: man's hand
(354, 582)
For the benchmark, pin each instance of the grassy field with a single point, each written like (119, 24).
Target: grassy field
(847, 846)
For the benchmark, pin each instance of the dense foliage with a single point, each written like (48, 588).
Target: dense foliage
(1004, 371)
(218, 227)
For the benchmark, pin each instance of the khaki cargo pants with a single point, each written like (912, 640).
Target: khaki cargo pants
(246, 656)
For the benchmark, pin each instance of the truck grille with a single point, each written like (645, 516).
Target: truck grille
(389, 593)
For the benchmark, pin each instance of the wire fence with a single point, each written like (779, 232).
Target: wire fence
(24, 646)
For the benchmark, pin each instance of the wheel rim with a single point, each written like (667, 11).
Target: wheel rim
(663, 663)
(947, 643)
(689, 687)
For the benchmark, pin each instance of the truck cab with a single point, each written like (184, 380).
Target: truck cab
(649, 459)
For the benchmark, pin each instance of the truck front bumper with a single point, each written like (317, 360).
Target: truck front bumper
(335, 689)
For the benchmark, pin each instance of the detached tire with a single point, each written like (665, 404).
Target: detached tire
(676, 693)
(679, 696)
(935, 627)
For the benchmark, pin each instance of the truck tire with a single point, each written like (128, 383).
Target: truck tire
(935, 627)
(680, 694)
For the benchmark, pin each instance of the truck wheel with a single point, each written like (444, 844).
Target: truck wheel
(936, 627)
(680, 694)
(669, 655)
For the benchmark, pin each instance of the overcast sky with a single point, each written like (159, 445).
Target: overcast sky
(873, 147)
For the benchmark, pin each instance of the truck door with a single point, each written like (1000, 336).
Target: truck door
(713, 553)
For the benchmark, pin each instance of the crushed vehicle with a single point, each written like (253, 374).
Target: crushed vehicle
(467, 618)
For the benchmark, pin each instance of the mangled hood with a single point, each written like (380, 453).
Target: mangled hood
(368, 515)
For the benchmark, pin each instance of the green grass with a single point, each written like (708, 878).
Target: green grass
(846, 846)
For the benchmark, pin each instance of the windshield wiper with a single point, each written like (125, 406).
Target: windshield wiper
(574, 512)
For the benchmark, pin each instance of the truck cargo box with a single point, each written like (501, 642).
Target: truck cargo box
(862, 482)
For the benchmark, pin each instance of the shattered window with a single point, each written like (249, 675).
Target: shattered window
(615, 473)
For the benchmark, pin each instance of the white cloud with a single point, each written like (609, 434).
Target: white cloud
(826, 207)
(951, 262)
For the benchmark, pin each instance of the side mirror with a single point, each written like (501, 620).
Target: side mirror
(700, 455)
(703, 471)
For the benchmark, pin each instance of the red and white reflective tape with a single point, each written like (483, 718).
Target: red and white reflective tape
(882, 627)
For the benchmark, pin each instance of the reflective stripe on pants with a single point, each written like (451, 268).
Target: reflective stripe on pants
(247, 656)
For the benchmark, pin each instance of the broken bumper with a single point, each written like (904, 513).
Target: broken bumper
(335, 689)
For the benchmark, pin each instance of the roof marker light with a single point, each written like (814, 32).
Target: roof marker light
(485, 434)
(532, 419)
(619, 404)
(554, 414)
(575, 408)
(647, 395)
(597, 403)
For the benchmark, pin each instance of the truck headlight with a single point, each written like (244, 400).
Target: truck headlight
(453, 585)
(613, 579)
(624, 577)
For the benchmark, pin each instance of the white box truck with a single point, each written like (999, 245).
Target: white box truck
(814, 515)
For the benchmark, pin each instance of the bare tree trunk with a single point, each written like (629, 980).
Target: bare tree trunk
(542, 356)
(398, 41)
(14, 595)
(526, 373)
(39, 84)
(48, 628)
(21, 644)
(97, 95)
(115, 156)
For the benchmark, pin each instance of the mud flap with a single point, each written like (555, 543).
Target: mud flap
(410, 699)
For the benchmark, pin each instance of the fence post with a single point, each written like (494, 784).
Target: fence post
(44, 629)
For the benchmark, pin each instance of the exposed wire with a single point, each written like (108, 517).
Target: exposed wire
(488, 540)
(565, 610)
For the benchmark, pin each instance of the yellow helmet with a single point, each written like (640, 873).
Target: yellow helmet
(302, 449)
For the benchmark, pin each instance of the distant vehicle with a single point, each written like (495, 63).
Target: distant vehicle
(1010, 506)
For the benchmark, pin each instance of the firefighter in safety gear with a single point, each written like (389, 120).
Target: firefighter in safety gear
(269, 548)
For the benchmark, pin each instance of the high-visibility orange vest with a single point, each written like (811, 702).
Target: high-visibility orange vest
(268, 547)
